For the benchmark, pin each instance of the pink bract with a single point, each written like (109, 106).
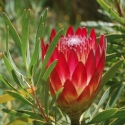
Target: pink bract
(81, 60)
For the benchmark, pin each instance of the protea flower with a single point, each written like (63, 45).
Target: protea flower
(81, 60)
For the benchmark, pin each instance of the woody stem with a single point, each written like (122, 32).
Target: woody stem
(40, 107)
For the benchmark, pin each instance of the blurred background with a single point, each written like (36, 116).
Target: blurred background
(61, 14)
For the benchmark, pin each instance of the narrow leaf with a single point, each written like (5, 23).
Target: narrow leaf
(21, 121)
(110, 56)
(22, 113)
(112, 100)
(8, 53)
(55, 98)
(6, 82)
(13, 112)
(12, 30)
(119, 121)
(119, 114)
(49, 70)
(28, 56)
(25, 121)
(105, 6)
(46, 98)
(39, 35)
(8, 65)
(104, 97)
(102, 116)
(25, 32)
(41, 25)
(12, 72)
(49, 52)
(13, 65)
(111, 37)
(36, 122)
(119, 28)
(5, 98)
(34, 57)
(7, 35)
(110, 73)
(114, 97)
(18, 96)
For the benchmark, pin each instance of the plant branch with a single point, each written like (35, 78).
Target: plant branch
(40, 107)
(119, 8)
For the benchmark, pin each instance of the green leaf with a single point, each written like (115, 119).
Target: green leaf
(8, 65)
(16, 113)
(55, 97)
(119, 121)
(104, 97)
(111, 37)
(110, 56)
(119, 28)
(8, 54)
(102, 116)
(25, 121)
(14, 67)
(112, 100)
(41, 26)
(11, 71)
(36, 122)
(119, 114)
(7, 35)
(49, 70)
(86, 116)
(46, 98)
(18, 96)
(34, 57)
(110, 73)
(12, 30)
(105, 6)
(28, 56)
(21, 121)
(5, 98)
(25, 32)
(49, 52)
(6, 82)
(22, 113)
(39, 35)
(16, 79)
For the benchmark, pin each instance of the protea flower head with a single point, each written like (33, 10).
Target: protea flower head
(81, 60)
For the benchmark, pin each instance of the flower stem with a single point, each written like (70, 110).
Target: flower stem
(75, 120)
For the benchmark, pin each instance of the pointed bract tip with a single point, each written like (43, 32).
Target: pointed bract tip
(84, 32)
(70, 31)
(53, 33)
(78, 31)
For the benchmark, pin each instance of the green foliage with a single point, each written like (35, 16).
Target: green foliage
(23, 113)
(110, 73)
(12, 30)
(102, 116)
(25, 32)
(31, 76)
(49, 52)
(111, 11)
(55, 98)
(39, 35)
